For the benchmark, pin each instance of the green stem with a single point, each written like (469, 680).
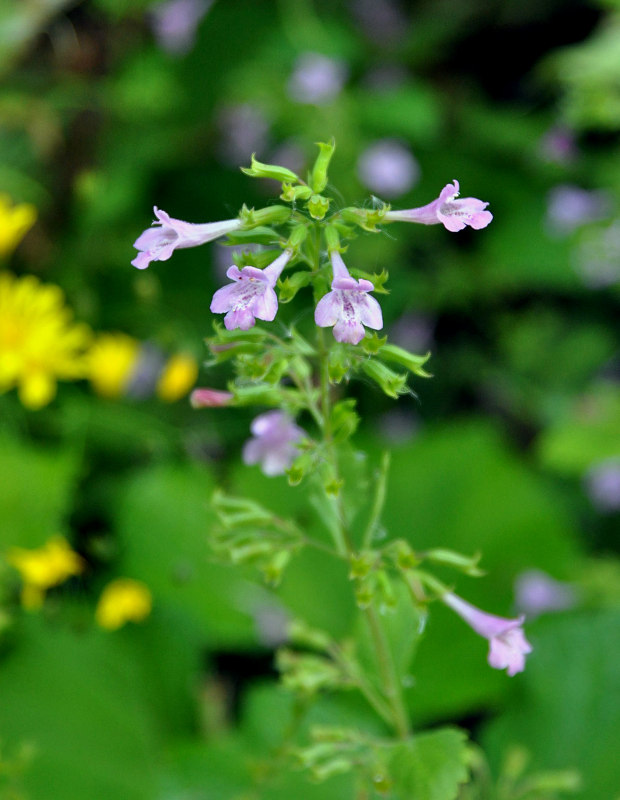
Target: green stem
(379, 501)
(389, 674)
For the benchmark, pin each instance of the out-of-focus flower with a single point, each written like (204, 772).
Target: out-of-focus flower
(602, 483)
(507, 643)
(158, 244)
(274, 442)
(597, 259)
(569, 207)
(250, 295)
(175, 23)
(348, 307)
(44, 567)
(558, 145)
(537, 592)
(111, 361)
(177, 379)
(316, 79)
(123, 600)
(39, 341)
(454, 212)
(381, 20)
(243, 130)
(388, 168)
(15, 222)
(210, 398)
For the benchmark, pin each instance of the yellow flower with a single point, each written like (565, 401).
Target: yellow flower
(39, 341)
(178, 377)
(15, 222)
(122, 600)
(44, 567)
(111, 362)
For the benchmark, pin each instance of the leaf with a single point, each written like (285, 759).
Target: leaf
(429, 767)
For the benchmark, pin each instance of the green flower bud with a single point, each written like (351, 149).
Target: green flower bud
(398, 355)
(366, 218)
(260, 170)
(290, 193)
(318, 180)
(466, 564)
(271, 215)
(392, 383)
(318, 206)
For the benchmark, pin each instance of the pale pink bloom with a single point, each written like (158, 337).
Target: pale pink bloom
(250, 295)
(274, 442)
(348, 307)
(158, 244)
(454, 212)
(209, 398)
(508, 645)
(317, 79)
(536, 592)
(175, 23)
(388, 168)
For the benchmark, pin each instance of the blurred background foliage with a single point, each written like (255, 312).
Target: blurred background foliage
(513, 449)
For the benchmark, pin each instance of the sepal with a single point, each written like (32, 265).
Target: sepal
(318, 206)
(392, 383)
(259, 170)
(318, 178)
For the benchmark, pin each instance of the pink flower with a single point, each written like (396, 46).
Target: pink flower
(453, 212)
(209, 398)
(348, 307)
(250, 295)
(274, 445)
(508, 645)
(175, 22)
(158, 244)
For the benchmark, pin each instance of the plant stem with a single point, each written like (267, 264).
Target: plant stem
(379, 501)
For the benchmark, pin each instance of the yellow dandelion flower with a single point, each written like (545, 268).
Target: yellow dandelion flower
(39, 341)
(15, 222)
(178, 377)
(44, 567)
(123, 600)
(111, 362)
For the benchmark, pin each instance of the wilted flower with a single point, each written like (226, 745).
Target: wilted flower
(44, 567)
(316, 79)
(175, 23)
(39, 342)
(123, 600)
(177, 378)
(388, 168)
(274, 445)
(453, 212)
(508, 645)
(250, 295)
(537, 592)
(348, 307)
(210, 398)
(158, 244)
(602, 483)
(15, 222)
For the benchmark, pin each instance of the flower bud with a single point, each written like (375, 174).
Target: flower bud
(259, 170)
(318, 180)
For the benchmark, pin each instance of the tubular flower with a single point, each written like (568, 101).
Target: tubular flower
(15, 222)
(250, 295)
(39, 342)
(158, 244)
(507, 643)
(43, 568)
(348, 306)
(203, 397)
(274, 445)
(123, 600)
(453, 212)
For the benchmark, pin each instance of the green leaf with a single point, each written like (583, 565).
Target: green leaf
(429, 767)
(567, 712)
(292, 284)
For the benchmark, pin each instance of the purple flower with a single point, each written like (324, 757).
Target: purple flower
(175, 22)
(537, 592)
(453, 212)
(316, 79)
(250, 295)
(158, 244)
(348, 307)
(569, 207)
(388, 168)
(602, 483)
(274, 442)
(508, 645)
